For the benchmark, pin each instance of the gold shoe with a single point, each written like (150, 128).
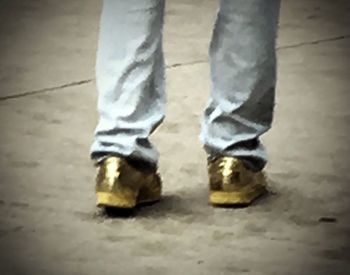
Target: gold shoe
(232, 184)
(121, 184)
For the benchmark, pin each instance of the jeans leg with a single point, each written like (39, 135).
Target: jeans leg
(243, 72)
(130, 78)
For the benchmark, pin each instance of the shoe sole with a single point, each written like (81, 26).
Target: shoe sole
(127, 198)
(236, 198)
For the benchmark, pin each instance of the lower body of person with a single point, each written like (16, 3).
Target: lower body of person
(130, 81)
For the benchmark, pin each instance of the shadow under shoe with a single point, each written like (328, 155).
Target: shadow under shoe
(121, 183)
(232, 184)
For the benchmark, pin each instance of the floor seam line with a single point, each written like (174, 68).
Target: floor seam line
(175, 65)
(50, 89)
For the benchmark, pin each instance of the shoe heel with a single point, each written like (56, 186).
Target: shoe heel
(226, 198)
(150, 193)
(121, 198)
(242, 197)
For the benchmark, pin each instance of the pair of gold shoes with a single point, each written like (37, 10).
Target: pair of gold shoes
(121, 183)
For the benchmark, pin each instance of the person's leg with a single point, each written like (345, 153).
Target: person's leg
(130, 83)
(130, 79)
(243, 69)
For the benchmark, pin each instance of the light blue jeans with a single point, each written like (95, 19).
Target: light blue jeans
(130, 79)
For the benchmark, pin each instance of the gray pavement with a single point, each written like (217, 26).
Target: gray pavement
(48, 222)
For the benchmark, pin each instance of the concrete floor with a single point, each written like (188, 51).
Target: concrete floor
(48, 222)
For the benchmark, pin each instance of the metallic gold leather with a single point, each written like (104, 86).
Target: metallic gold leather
(121, 185)
(231, 183)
